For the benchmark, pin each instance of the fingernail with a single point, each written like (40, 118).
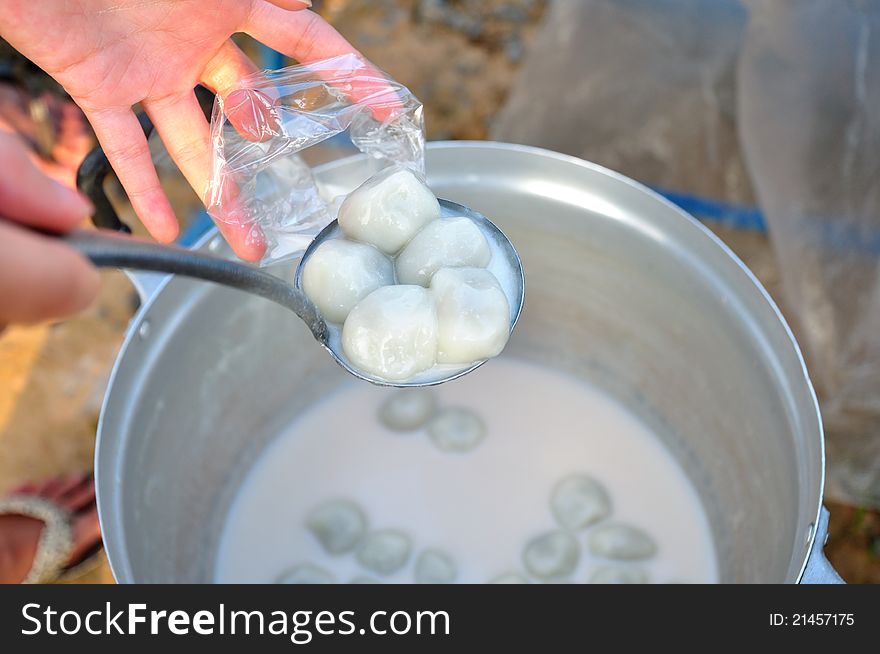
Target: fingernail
(307, 3)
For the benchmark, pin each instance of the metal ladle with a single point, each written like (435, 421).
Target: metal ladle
(108, 249)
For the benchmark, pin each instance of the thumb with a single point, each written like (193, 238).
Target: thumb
(30, 197)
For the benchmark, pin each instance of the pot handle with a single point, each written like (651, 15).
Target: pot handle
(90, 178)
(819, 569)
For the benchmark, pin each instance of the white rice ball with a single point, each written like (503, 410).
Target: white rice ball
(617, 541)
(435, 567)
(388, 210)
(618, 575)
(446, 243)
(456, 430)
(509, 578)
(473, 315)
(338, 525)
(551, 555)
(340, 273)
(578, 501)
(392, 333)
(408, 409)
(306, 573)
(384, 551)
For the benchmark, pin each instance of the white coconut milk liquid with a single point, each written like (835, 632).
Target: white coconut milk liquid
(480, 507)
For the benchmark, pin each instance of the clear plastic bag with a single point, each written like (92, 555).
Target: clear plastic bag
(259, 182)
(809, 88)
(645, 87)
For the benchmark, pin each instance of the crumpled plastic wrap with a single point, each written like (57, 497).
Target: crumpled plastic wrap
(744, 101)
(645, 87)
(259, 182)
(809, 93)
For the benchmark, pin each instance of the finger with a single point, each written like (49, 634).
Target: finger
(52, 170)
(126, 148)
(303, 35)
(239, 230)
(186, 134)
(227, 68)
(292, 5)
(306, 37)
(41, 278)
(29, 197)
(251, 112)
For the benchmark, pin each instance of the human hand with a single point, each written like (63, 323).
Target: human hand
(40, 277)
(112, 54)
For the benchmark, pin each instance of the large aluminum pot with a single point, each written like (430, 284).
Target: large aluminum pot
(622, 289)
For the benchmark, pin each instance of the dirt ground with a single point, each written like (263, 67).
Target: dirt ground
(460, 58)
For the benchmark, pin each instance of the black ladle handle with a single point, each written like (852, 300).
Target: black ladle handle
(108, 249)
(95, 168)
(113, 250)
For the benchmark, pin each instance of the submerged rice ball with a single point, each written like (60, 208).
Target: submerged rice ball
(446, 243)
(340, 273)
(338, 525)
(306, 573)
(509, 578)
(456, 430)
(388, 210)
(392, 333)
(617, 541)
(384, 551)
(618, 575)
(551, 555)
(408, 409)
(578, 501)
(435, 567)
(473, 315)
